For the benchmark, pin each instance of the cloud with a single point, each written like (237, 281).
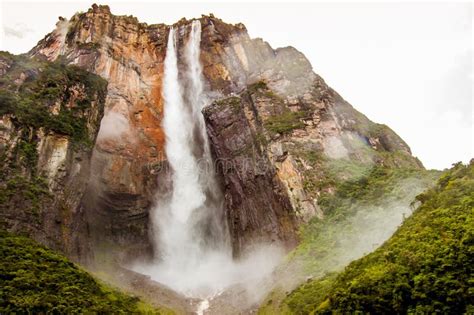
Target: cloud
(18, 31)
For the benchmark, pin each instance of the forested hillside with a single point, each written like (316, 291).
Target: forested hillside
(425, 267)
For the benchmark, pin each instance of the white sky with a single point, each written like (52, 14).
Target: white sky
(405, 65)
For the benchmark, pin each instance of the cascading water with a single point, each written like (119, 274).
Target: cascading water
(191, 235)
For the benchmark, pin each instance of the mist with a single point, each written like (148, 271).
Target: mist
(339, 240)
(113, 126)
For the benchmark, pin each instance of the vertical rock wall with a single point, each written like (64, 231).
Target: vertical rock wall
(49, 120)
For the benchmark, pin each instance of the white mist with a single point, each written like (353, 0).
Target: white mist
(191, 235)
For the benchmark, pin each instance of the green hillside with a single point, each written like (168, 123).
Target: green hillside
(425, 267)
(34, 280)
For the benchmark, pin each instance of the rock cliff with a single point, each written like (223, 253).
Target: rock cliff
(129, 149)
(275, 127)
(49, 119)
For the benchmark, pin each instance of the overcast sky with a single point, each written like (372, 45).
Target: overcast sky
(405, 65)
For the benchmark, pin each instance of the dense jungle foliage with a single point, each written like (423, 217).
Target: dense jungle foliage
(426, 267)
(35, 280)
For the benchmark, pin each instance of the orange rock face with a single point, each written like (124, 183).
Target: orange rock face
(129, 55)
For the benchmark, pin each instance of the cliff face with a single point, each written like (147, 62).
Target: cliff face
(49, 119)
(269, 109)
(281, 137)
(129, 55)
(256, 200)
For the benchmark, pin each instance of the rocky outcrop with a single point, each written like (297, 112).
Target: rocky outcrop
(282, 152)
(49, 119)
(258, 208)
(284, 117)
(129, 55)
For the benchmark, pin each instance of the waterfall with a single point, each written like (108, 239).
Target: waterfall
(190, 232)
(212, 216)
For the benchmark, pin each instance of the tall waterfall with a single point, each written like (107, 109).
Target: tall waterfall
(191, 235)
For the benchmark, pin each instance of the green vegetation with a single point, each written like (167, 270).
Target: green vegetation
(233, 102)
(425, 267)
(257, 86)
(55, 98)
(88, 46)
(261, 88)
(36, 280)
(285, 122)
(52, 83)
(371, 186)
(377, 130)
(20, 189)
(356, 207)
(26, 192)
(17, 65)
(362, 204)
